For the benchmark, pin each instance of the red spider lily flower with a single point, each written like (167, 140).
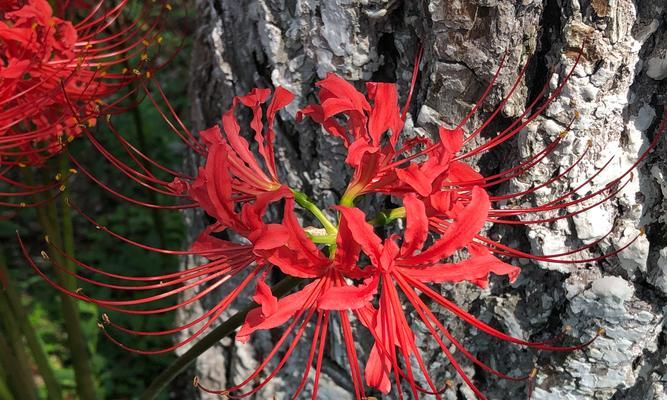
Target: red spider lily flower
(299, 257)
(248, 178)
(409, 269)
(57, 73)
(374, 162)
(445, 203)
(228, 190)
(227, 260)
(249, 175)
(438, 173)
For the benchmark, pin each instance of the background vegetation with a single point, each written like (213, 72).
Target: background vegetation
(118, 374)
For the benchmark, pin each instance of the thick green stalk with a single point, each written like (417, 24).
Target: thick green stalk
(4, 390)
(14, 357)
(385, 217)
(3, 382)
(329, 240)
(304, 201)
(347, 200)
(76, 343)
(21, 319)
(223, 330)
(85, 384)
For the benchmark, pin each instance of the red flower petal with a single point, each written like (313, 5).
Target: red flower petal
(349, 297)
(335, 86)
(270, 237)
(414, 177)
(356, 152)
(347, 249)
(474, 270)
(467, 224)
(416, 230)
(265, 298)
(442, 201)
(239, 144)
(462, 172)
(385, 114)
(283, 310)
(362, 233)
(377, 370)
(281, 98)
(316, 113)
(451, 139)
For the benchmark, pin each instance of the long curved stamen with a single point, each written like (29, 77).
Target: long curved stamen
(121, 196)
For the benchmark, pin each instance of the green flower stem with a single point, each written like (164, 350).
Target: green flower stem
(304, 201)
(48, 218)
(66, 222)
(385, 217)
(329, 240)
(223, 330)
(21, 319)
(347, 200)
(14, 357)
(4, 390)
(85, 384)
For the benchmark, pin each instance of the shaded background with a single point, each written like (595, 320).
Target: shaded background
(118, 374)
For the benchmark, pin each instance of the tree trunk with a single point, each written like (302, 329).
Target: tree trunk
(618, 90)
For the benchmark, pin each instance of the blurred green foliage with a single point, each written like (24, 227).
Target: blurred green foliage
(119, 374)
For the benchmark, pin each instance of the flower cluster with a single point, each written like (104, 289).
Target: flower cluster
(345, 270)
(56, 75)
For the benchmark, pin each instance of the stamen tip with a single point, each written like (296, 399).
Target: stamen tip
(601, 331)
(195, 381)
(533, 373)
(105, 319)
(642, 231)
(567, 328)
(79, 291)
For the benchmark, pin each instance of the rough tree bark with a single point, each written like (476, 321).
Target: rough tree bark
(617, 89)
